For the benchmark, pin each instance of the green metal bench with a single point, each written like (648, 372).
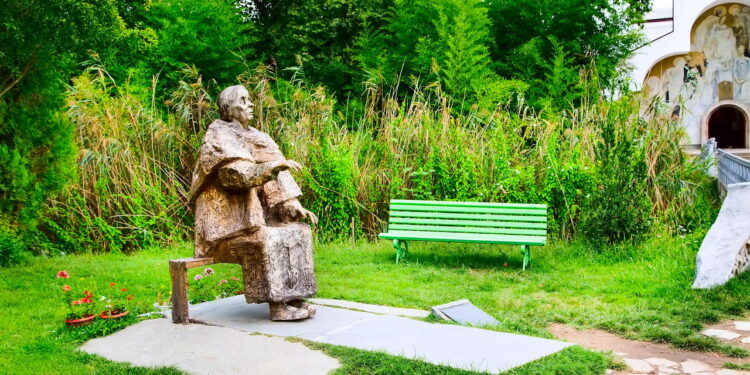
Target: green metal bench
(471, 222)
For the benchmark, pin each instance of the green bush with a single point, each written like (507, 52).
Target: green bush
(38, 51)
(12, 248)
(620, 208)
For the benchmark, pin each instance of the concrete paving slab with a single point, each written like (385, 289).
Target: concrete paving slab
(742, 326)
(443, 344)
(721, 333)
(233, 312)
(377, 309)
(200, 349)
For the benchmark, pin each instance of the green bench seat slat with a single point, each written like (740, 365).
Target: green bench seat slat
(469, 223)
(465, 204)
(434, 228)
(465, 237)
(473, 210)
(450, 215)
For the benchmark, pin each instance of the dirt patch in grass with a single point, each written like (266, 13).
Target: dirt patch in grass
(601, 340)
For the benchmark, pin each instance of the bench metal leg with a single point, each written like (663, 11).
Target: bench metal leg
(402, 249)
(526, 251)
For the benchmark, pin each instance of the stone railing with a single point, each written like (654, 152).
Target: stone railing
(732, 168)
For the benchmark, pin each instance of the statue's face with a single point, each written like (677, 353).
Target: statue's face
(243, 108)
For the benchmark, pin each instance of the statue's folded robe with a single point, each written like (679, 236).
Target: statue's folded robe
(237, 214)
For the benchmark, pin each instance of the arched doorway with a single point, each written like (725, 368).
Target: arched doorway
(728, 124)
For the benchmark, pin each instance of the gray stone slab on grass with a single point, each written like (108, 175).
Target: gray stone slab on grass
(464, 312)
(233, 312)
(377, 309)
(200, 349)
(444, 344)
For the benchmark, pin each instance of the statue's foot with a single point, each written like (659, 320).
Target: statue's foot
(301, 304)
(282, 311)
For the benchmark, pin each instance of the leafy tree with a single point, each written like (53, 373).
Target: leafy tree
(40, 42)
(461, 29)
(211, 35)
(444, 41)
(320, 35)
(527, 36)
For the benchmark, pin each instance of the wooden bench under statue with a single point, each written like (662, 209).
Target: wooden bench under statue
(470, 222)
(178, 272)
(247, 212)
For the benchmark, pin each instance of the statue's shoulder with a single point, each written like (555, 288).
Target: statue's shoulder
(220, 129)
(219, 125)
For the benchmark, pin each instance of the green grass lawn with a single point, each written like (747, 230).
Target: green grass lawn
(639, 293)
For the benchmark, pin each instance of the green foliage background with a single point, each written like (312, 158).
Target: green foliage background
(104, 102)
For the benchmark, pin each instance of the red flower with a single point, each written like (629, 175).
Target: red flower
(62, 274)
(87, 293)
(111, 284)
(66, 288)
(87, 300)
(78, 302)
(505, 264)
(123, 290)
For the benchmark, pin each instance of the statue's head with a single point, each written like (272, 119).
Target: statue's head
(234, 104)
(735, 10)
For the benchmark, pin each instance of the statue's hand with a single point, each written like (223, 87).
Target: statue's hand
(293, 165)
(310, 216)
(286, 164)
(292, 210)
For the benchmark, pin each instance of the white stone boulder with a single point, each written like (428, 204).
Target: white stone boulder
(724, 251)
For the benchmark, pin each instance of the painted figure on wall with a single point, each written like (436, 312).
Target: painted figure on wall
(720, 72)
(741, 71)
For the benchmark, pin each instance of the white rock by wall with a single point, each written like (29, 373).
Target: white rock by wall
(724, 252)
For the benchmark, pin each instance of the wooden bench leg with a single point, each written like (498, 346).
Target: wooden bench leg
(526, 250)
(178, 272)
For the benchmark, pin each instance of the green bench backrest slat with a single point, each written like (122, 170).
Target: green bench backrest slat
(434, 228)
(451, 215)
(465, 204)
(469, 223)
(472, 210)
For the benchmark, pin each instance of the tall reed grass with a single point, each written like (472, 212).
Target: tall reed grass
(135, 160)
